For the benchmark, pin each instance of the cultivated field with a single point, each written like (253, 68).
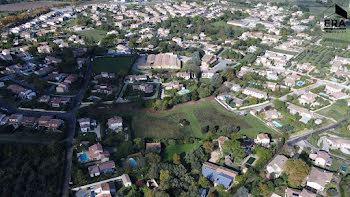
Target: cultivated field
(26, 5)
(118, 64)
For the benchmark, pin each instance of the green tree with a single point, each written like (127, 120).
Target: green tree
(176, 159)
(203, 182)
(208, 146)
(234, 148)
(153, 158)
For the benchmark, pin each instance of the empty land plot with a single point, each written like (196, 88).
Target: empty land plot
(119, 64)
(166, 125)
(180, 149)
(337, 110)
(146, 125)
(94, 34)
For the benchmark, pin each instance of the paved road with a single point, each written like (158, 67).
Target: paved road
(307, 143)
(119, 178)
(70, 121)
(303, 136)
(71, 131)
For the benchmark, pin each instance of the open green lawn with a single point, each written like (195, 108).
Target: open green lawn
(166, 125)
(178, 149)
(342, 37)
(95, 34)
(336, 111)
(118, 64)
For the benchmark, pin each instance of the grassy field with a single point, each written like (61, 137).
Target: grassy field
(113, 64)
(336, 111)
(94, 34)
(166, 125)
(178, 149)
(342, 37)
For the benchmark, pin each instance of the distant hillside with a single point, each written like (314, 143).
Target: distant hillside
(2, 2)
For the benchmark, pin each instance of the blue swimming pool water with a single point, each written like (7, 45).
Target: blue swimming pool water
(132, 162)
(184, 91)
(323, 94)
(276, 124)
(300, 83)
(83, 157)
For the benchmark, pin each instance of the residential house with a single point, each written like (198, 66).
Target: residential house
(321, 158)
(307, 98)
(104, 190)
(184, 75)
(43, 121)
(208, 74)
(318, 178)
(96, 153)
(29, 121)
(255, 93)
(208, 60)
(172, 85)
(132, 78)
(275, 167)
(85, 124)
(262, 139)
(126, 180)
(337, 142)
(104, 167)
(289, 192)
(272, 114)
(54, 124)
(15, 120)
(305, 114)
(115, 123)
(52, 60)
(331, 88)
(218, 174)
(271, 85)
(235, 87)
(289, 81)
(145, 87)
(44, 49)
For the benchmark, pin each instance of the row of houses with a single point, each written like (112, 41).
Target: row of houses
(17, 120)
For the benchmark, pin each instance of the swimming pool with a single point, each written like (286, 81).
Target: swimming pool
(184, 91)
(83, 157)
(276, 124)
(323, 94)
(132, 162)
(300, 83)
(251, 160)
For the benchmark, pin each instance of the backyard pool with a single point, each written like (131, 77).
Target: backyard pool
(83, 157)
(251, 160)
(300, 83)
(323, 94)
(184, 91)
(132, 162)
(276, 124)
